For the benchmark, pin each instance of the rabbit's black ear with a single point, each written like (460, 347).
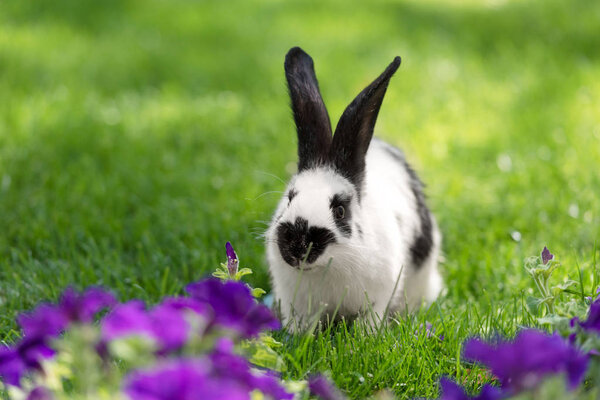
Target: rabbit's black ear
(355, 128)
(310, 114)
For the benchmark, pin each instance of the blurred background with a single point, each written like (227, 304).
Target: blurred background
(137, 137)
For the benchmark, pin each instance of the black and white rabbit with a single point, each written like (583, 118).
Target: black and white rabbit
(352, 233)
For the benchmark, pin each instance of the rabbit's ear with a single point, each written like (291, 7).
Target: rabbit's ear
(355, 128)
(310, 114)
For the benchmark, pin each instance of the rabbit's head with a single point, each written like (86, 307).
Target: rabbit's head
(321, 207)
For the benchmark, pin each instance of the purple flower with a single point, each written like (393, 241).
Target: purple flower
(523, 363)
(50, 319)
(24, 356)
(233, 306)
(12, 367)
(185, 303)
(170, 327)
(322, 388)
(181, 380)
(82, 307)
(452, 391)
(546, 255)
(227, 365)
(592, 323)
(232, 259)
(165, 323)
(40, 393)
(221, 375)
(128, 318)
(45, 320)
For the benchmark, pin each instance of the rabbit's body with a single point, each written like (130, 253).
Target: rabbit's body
(353, 236)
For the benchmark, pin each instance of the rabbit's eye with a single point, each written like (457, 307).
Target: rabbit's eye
(339, 212)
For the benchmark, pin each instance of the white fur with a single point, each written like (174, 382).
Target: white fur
(358, 268)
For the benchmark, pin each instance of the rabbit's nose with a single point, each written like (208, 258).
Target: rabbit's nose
(299, 249)
(291, 238)
(299, 243)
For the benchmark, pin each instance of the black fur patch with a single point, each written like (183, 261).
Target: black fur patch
(312, 120)
(292, 193)
(295, 238)
(354, 130)
(343, 224)
(421, 247)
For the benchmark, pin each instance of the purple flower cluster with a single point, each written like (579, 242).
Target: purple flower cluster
(220, 375)
(228, 305)
(165, 324)
(592, 323)
(215, 305)
(43, 324)
(520, 365)
(523, 363)
(233, 307)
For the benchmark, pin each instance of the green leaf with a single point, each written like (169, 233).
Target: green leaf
(221, 275)
(565, 285)
(258, 292)
(554, 320)
(533, 304)
(242, 272)
(260, 353)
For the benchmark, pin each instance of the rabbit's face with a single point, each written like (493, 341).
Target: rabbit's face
(315, 215)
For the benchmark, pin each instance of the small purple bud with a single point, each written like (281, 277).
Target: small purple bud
(232, 259)
(546, 255)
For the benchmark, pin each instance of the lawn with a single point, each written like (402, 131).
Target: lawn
(137, 137)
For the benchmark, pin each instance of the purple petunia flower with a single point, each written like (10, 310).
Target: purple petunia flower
(45, 320)
(82, 307)
(452, 391)
(12, 367)
(44, 323)
(233, 306)
(221, 375)
(592, 323)
(185, 303)
(165, 323)
(182, 380)
(126, 319)
(546, 255)
(322, 388)
(232, 259)
(24, 356)
(40, 393)
(52, 319)
(523, 363)
(228, 365)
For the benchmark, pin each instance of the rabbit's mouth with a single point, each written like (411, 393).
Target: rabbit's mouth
(301, 245)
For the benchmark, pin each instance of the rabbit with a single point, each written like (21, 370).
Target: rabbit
(352, 234)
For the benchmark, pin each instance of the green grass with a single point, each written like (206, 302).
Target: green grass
(136, 137)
